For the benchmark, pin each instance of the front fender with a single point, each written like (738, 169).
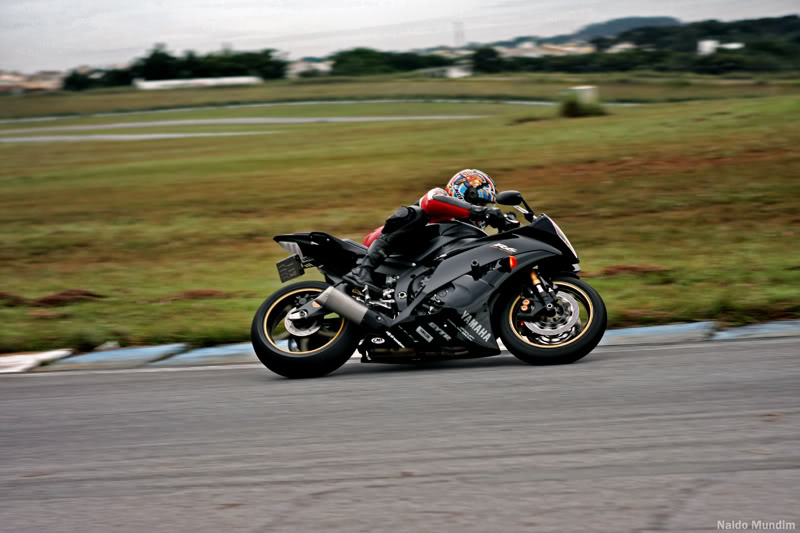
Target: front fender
(547, 259)
(545, 254)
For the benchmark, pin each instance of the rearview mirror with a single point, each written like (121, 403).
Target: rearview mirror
(509, 198)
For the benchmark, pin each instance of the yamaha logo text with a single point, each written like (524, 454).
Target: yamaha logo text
(476, 326)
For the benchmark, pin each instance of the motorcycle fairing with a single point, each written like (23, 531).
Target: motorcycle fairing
(451, 328)
(454, 300)
(452, 309)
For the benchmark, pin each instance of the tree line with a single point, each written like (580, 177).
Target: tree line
(159, 64)
(756, 58)
(781, 31)
(771, 44)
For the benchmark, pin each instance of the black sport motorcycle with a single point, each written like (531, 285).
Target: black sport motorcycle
(449, 296)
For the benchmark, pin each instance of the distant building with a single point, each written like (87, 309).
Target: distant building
(10, 81)
(531, 49)
(304, 67)
(458, 71)
(567, 49)
(524, 49)
(710, 46)
(197, 82)
(46, 80)
(452, 71)
(621, 47)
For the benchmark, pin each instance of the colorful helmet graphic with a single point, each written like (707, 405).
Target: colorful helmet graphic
(473, 186)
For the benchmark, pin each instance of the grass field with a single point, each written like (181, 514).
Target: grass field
(623, 87)
(176, 234)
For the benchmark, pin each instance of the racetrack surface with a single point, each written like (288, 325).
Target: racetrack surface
(639, 438)
(239, 121)
(124, 137)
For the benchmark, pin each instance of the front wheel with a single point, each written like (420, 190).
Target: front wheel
(564, 335)
(296, 349)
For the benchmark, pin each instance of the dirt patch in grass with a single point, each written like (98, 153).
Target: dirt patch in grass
(197, 294)
(11, 300)
(69, 296)
(44, 314)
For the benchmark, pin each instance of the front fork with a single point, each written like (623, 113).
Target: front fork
(542, 298)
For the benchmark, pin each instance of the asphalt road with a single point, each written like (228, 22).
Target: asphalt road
(662, 438)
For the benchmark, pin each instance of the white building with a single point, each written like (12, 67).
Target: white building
(296, 69)
(531, 49)
(452, 71)
(45, 80)
(197, 82)
(524, 49)
(710, 46)
(450, 53)
(621, 47)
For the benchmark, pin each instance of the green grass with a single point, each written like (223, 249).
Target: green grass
(707, 190)
(631, 87)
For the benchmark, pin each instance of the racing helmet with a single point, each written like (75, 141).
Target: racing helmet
(474, 186)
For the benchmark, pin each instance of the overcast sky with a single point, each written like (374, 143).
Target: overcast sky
(59, 34)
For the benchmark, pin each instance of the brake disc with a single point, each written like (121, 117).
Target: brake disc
(300, 331)
(562, 321)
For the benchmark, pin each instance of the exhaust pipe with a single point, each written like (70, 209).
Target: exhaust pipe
(352, 310)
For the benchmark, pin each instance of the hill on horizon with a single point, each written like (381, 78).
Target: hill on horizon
(609, 28)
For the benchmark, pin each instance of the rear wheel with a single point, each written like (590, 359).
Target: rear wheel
(565, 334)
(301, 349)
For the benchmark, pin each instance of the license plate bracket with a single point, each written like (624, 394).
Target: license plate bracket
(290, 268)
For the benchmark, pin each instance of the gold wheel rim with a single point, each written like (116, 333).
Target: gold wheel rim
(550, 346)
(283, 299)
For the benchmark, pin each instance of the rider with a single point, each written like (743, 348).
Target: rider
(466, 198)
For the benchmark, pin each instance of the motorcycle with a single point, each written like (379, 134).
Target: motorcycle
(450, 296)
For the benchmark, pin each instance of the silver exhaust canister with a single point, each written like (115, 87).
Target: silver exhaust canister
(352, 310)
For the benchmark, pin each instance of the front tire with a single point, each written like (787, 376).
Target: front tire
(309, 351)
(577, 339)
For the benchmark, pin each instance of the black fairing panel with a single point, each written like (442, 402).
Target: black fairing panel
(544, 230)
(463, 301)
(486, 256)
(464, 320)
(439, 238)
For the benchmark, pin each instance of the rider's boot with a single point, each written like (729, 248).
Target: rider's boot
(361, 275)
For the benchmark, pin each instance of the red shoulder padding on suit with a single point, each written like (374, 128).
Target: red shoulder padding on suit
(439, 206)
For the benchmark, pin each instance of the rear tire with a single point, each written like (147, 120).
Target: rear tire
(526, 347)
(304, 356)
